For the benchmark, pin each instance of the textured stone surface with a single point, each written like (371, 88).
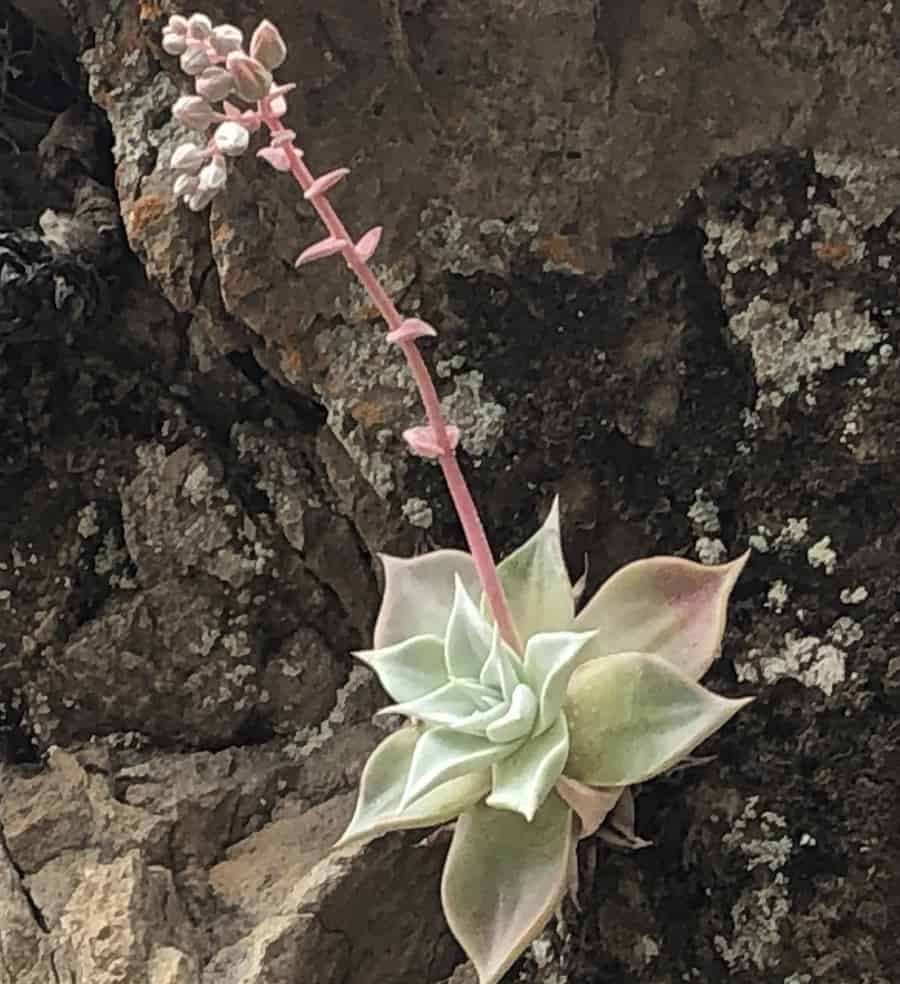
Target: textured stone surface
(660, 242)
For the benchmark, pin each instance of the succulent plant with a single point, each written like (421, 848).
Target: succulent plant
(528, 722)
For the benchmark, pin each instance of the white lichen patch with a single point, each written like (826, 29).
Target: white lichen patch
(787, 353)
(815, 662)
(480, 419)
(744, 249)
(87, 521)
(821, 554)
(869, 186)
(309, 740)
(417, 512)
(761, 838)
(854, 596)
(710, 551)
(777, 596)
(703, 513)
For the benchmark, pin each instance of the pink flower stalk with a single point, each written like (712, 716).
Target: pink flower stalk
(439, 439)
(204, 49)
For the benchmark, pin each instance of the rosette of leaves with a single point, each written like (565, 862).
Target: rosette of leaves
(532, 750)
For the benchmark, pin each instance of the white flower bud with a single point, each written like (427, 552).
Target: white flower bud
(225, 38)
(252, 80)
(185, 184)
(193, 111)
(214, 83)
(267, 45)
(194, 60)
(187, 157)
(177, 25)
(214, 175)
(199, 26)
(200, 198)
(172, 43)
(231, 138)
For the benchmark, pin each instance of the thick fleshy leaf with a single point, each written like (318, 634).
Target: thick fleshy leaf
(410, 669)
(537, 583)
(618, 830)
(633, 715)
(503, 880)
(550, 660)
(442, 754)
(519, 718)
(468, 641)
(448, 705)
(502, 669)
(591, 805)
(378, 805)
(418, 594)
(524, 780)
(665, 605)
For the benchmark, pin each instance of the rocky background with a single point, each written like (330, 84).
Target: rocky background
(660, 239)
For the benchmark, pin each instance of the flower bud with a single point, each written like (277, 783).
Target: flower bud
(172, 43)
(267, 45)
(225, 38)
(214, 83)
(278, 106)
(213, 176)
(200, 198)
(252, 80)
(193, 111)
(194, 59)
(231, 138)
(187, 157)
(185, 184)
(199, 27)
(177, 25)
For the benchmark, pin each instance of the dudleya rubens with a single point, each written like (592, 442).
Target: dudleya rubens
(532, 751)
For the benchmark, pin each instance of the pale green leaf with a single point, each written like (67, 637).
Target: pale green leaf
(503, 880)
(665, 605)
(502, 669)
(550, 660)
(378, 805)
(468, 642)
(519, 718)
(448, 705)
(524, 780)
(409, 669)
(537, 583)
(633, 715)
(442, 754)
(418, 594)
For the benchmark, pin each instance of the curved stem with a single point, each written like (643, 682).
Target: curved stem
(463, 502)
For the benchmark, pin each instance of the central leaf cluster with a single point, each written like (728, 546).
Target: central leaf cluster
(483, 707)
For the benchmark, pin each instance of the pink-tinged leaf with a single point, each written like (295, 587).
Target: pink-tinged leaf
(282, 137)
(368, 243)
(536, 582)
(424, 442)
(325, 183)
(276, 157)
(410, 329)
(591, 804)
(418, 594)
(632, 716)
(504, 879)
(378, 805)
(665, 605)
(618, 831)
(321, 249)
